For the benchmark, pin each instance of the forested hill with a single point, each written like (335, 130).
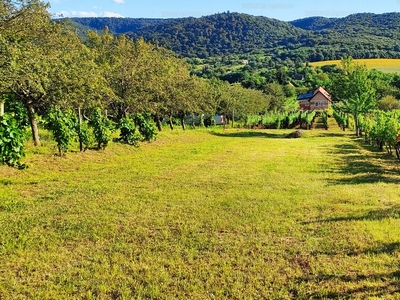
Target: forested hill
(387, 24)
(313, 23)
(119, 25)
(206, 36)
(311, 39)
(221, 34)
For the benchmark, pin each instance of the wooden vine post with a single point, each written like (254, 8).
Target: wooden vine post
(1, 109)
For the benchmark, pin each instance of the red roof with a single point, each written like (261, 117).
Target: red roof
(309, 96)
(323, 92)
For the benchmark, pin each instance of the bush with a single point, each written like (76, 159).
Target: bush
(128, 133)
(146, 127)
(84, 135)
(62, 126)
(11, 142)
(102, 129)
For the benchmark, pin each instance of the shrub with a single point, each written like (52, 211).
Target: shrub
(61, 125)
(146, 127)
(128, 133)
(102, 129)
(11, 142)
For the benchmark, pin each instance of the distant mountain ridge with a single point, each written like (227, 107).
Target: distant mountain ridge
(363, 35)
(384, 24)
(119, 25)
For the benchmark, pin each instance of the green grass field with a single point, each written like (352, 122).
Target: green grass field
(382, 64)
(204, 214)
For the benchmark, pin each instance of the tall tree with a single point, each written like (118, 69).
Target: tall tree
(354, 89)
(45, 64)
(25, 27)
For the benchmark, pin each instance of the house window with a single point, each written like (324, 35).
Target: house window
(316, 103)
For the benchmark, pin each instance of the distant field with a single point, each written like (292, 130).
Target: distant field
(384, 65)
(204, 214)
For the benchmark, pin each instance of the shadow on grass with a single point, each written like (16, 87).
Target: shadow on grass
(389, 284)
(373, 215)
(363, 167)
(327, 133)
(389, 249)
(316, 133)
(384, 249)
(249, 134)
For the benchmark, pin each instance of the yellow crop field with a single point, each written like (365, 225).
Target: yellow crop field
(382, 64)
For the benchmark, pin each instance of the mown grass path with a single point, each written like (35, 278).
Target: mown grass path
(204, 214)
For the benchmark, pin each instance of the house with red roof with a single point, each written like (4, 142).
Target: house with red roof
(319, 99)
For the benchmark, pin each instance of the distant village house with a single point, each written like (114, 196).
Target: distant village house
(320, 99)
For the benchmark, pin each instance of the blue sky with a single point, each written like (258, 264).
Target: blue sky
(285, 10)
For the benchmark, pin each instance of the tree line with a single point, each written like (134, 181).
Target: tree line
(48, 73)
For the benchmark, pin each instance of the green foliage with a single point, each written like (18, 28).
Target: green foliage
(274, 120)
(324, 116)
(128, 132)
(146, 127)
(388, 102)
(62, 125)
(118, 25)
(293, 118)
(11, 142)
(310, 39)
(253, 120)
(341, 119)
(102, 129)
(309, 118)
(84, 135)
(16, 108)
(220, 34)
(355, 90)
(382, 129)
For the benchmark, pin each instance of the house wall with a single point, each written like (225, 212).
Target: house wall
(319, 102)
(304, 104)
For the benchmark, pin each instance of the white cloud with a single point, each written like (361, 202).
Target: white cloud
(62, 14)
(119, 1)
(84, 14)
(87, 14)
(110, 14)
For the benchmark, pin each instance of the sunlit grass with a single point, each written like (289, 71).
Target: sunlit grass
(382, 64)
(203, 214)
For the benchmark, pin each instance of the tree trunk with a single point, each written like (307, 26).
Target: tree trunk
(380, 145)
(182, 117)
(1, 109)
(225, 120)
(193, 124)
(233, 118)
(398, 150)
(171, 124)
(80, 128)
(158, 122)
(357, 125)
(33, 122)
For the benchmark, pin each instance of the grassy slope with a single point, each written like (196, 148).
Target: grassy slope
(384, 65)
(204, 215)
